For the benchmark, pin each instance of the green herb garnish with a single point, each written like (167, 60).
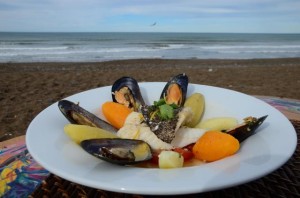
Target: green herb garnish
(160, 102)
(166, 112)
(174, 106)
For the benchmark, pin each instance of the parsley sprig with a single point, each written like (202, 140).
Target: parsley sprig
(165, 111)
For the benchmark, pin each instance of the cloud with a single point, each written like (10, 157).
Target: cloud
(118, 15)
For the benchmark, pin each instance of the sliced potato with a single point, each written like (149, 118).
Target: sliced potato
(218, 123)
(170, 159)
(79, 133)
(196, 103)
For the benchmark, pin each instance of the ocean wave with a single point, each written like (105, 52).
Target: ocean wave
(113, 46)
(251, 47)
(34, 48)
(260, 51)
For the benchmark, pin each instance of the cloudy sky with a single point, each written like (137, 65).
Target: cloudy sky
(261, 16)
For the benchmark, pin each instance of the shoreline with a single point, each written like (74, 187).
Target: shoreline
(145, 62)
(28, 88)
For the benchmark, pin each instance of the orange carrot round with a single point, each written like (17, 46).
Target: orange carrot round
(115, 113)
(215, 145)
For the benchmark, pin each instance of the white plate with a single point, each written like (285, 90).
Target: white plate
(262, 153)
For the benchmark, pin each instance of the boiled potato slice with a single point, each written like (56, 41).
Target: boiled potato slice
(218, 123)
(170, 159)
(79, 133)
(196, 103)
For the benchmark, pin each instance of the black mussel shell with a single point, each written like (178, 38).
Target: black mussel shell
(134, 91)
(182, 81)
(244, 131)
(77, 115)
(117, 150)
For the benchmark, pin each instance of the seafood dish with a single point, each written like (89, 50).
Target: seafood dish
(169, 133)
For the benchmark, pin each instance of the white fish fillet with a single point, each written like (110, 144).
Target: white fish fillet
(144, 133)
(134, 118)
(134, 130)
(184, 116)
(185, 136)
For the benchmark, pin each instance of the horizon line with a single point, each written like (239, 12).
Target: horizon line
(147, 32)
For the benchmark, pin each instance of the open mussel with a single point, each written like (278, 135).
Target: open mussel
(118, 151)
(126, 91)
(77, 115)
(175, 90)
(247, 129)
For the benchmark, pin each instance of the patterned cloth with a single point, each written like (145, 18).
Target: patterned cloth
(20, 174)
(281, 104)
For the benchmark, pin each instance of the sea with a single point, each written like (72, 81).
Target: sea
(105, 46)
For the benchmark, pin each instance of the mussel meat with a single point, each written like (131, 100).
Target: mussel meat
(126, 91)
(247, 129)
(118, 151)
(77, 115)
(175, 90)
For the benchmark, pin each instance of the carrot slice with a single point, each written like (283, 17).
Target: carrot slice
(115, 113)
(215, 145)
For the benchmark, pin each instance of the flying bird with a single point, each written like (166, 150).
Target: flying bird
(153, 24)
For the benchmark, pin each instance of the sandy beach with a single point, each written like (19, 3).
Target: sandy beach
(27, 88)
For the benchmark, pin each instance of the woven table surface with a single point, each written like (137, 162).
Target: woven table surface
(284, 182)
